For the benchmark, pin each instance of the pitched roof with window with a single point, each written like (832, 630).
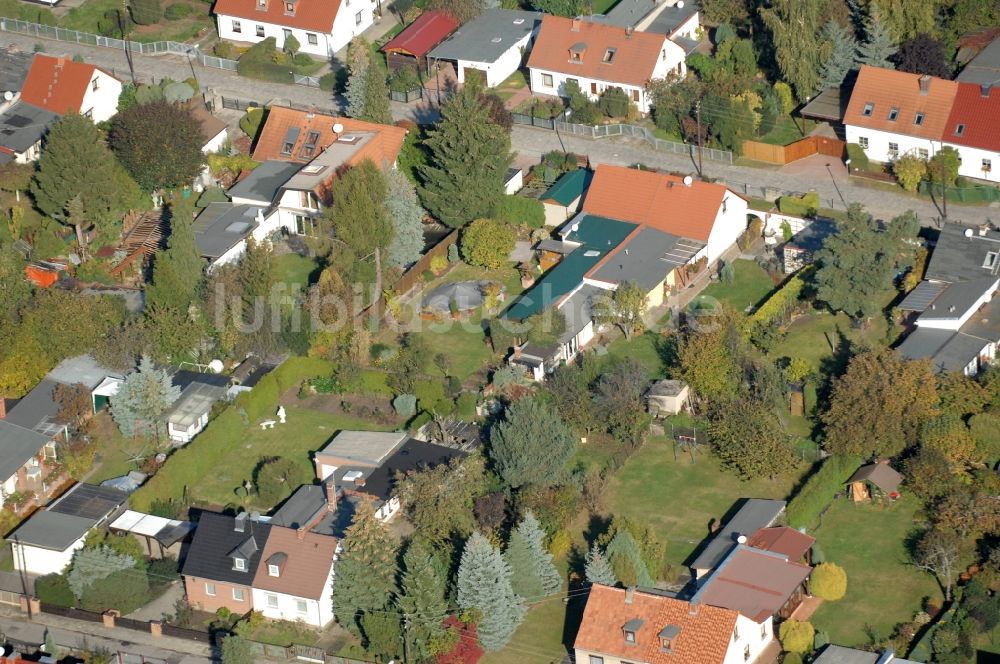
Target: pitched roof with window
(218, 540)
(976, 112)
(606, 52)
(316, 15)
(891, 101)
(58, 84)
(665, 629)
(303, 561)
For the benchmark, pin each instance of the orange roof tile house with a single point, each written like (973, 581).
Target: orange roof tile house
(321, 27)
(60, 85)
(599, 56)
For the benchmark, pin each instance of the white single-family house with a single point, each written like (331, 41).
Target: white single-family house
(495, 44)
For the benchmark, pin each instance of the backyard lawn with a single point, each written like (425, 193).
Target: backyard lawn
(868, 542)
(305, 432)
(539, 639)
(677, 499)
(647, 349)
(89, 15)
(814, 335)
(298, 270)
(788, 130)
(749, 287)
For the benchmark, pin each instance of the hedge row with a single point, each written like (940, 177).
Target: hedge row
(188, 465)
(777, 307)
(804, 509)
(800, 206)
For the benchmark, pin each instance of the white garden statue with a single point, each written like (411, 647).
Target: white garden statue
(281, 414)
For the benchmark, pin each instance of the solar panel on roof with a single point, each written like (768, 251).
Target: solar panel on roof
(88, 501)
(237, 227)
(18, 121)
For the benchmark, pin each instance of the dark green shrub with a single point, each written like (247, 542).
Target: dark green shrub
(303, 60)
(521, 211)
(428, 276)
(226, 50)
(177, 11)
(328, 81)
(614, 103)
(805, 507)
(54, 589)
(404, 79)
(125, 590)
(162, 571)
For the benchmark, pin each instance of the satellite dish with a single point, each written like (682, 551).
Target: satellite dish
(575, 227)
(216, 366)
(680, 4)
(8, 95)
(688, 180)
(338, 128)
(968, 232)
(742, 539)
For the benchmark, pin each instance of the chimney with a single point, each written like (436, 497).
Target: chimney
(331, 497)
(925, 84)
(300, 534)
(984, 229)
(240, 522)
(628, 32)
(359, 481)
(576, 24)
(984, 89)
(629, 594)
(61, 61)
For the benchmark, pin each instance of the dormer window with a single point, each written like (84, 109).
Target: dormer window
(918, 119)
(667, 637)
(959, 129)
(261, 4)
(240, 564)
(893, 114)
(629, 630)
(273, 570)
(609, 56)
(576, 52)
(991, 260)
(290, 8)
(869, 108)
(629, 637)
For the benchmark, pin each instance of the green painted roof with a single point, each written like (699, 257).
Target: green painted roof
(569, 187)
(598, 236)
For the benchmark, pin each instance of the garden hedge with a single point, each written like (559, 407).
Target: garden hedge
(776, 308)
(804, 509)
(801, 206)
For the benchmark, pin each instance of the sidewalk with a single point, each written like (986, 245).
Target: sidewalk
(78, 634)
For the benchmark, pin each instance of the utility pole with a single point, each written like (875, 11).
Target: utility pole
(697, 110)
(944, 193)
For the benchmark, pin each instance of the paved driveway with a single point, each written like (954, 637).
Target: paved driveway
(165, 603)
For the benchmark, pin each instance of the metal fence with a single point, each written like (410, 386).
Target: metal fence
(771, 193)
(237, 104)
(629, 130)
(88, 39)
(308, 81)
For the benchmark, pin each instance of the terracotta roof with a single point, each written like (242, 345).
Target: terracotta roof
(317, 15)
(57, 84)
(634, 58)
(980, 116)
(703, 633)
(430, 29)
(754, 582)
(658, 200)
(304, 567)
(881, 91)
(289, 125)
(782, 539)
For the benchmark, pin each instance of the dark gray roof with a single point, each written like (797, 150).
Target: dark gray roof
(647, 258)
(626, 13)
(302, 507)
(265, 181)
(81, 369)
(956, 300)
(52, 530)
(672, 17)
(921, 297)
(412, 455)
(14, 66)
(841, 655)
(689, 46)
(215, 538)
(947, 350)
(984, 68)
(38, 410)
(486, 38)
(960, 258)
(17, 445)
(829, 104)
(89, 501)
(221, 226)
(184, 379)
(756, 513)
(577, 310)
(22, 125)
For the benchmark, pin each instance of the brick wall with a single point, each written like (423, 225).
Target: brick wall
(199, 598)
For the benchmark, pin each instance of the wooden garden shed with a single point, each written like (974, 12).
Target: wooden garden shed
(875, 481)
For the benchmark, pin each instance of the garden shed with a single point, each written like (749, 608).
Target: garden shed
(874, 482)
(667, 397)
(410, 47)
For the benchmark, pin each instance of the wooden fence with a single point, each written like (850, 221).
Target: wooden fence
(786, 154)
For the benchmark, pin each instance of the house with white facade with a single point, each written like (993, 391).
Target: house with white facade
(599, 56)
(294, 579)
(321, 27)
(641, 227)
(495, 44)
(956, 308)
(642, 626)
(60, 85)
(973, 129)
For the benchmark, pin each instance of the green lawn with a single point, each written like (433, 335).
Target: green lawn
(810, 336)
(305, 432)
(283, 633)
(749, 287)
(602, 6)
(539, 639)
(647, 349)
(882, 587)
(298, 270)
(88, 15)
(788, 130)
(677, 499)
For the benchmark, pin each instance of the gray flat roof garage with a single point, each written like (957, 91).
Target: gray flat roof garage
(22, 125)
(486, 38)
(17, 445)
(52, 530)
(264, 182)
(88, 501)
(221, 226)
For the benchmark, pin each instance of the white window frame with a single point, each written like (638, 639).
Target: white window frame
(863, 142)
(547, 81)
(991, 259)
(210, 589)
(239, 564)
(358, 18)
(272, 601)
(312, 38)
(273, 570)
(868, 109)
(301, 606)
(987, 166)
(893, 151)
(237, 26)
(923, 153)
(260, 30)
(238, 594)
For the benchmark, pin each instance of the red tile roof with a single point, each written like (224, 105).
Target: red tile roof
(430, 29)
(979, 114)
(316, 15)
(304, 567)
(703, 636)
(383, 149)
(887, 89)
(658, 200)
(635, 53)
(57, 84)
(782, 539)
(754, 582)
